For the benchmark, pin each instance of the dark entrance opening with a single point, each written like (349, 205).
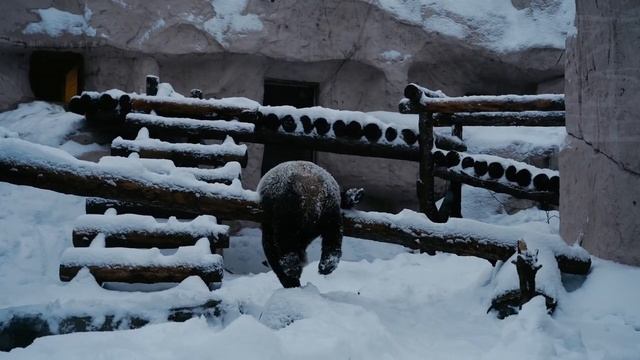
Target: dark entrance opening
(294, 93)
(55, 76)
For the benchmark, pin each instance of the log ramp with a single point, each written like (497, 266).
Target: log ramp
(20, 326)
(163, 127)
(24, 163)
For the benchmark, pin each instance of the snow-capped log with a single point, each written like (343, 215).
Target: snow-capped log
(24, 163)
(182, 154)
(75, 105)
(143, 266)
(195, 108)
(107, 103)
(98, 206)
(488, 172)
(520, 192)
(169, 127)
(480, 168)
(459, 236)
(522, 118)
(486, 103)
(223, 175)
(139, 231)
(246, 132)
(20, 326)
(415, 92)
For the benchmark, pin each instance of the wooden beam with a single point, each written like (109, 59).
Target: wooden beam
(546, 102)
(140, 274)
(138, 231)
(547, 197)
(95, 205)
(23, 163)
(524, 118)
(181, 154)
(20, 326)
(193, 108)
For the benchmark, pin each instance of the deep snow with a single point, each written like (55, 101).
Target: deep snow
(382, 302)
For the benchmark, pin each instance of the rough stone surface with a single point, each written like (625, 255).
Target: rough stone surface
(600, 187)
(360, 54)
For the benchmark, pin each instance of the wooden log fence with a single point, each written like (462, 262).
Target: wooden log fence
(24, 163)
(437, 109)
(138, 231)
(182, 154)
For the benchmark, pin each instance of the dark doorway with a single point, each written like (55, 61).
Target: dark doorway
(294, 93)
(55, 76)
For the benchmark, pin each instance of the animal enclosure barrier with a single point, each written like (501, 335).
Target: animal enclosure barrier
(169, 180)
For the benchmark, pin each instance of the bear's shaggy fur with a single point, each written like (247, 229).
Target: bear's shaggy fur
(300, 201)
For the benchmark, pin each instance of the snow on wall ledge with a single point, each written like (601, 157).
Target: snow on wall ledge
(497, 25)
(54, 22)
(494, 24)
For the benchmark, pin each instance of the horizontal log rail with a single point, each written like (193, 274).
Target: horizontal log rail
(171, 127)
(182, 154)
(420, 101)
(97, 206)
(137, 231)
(141, 274)
(546, 197)
(20, 326)
(225, 174)
(23, 163)
(523, 118)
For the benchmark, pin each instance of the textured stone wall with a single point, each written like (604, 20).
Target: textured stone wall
(600, 188)
(361, 56)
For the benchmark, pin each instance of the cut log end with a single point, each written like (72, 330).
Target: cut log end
(496, 171)
(523, 177)
(480, 168)
(288, 123)
(339, 128)
(390, 134)
(307, 124)
(452, 159)
(372, 132)
(409, 136)
(467, 162)
(322, 126)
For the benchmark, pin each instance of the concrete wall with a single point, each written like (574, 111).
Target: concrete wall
(14, 79)
(600, 188)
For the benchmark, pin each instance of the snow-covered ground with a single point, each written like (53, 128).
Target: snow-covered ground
(382, 302)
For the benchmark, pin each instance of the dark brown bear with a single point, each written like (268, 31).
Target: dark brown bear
(301, 201)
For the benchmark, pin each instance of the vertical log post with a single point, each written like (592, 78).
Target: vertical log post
(152, 85)
(527, 266)
(456, 187)
(425, 184)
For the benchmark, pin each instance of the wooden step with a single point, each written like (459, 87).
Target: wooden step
(225, 174)
(143, 266)
(182, 154)
(140, 231)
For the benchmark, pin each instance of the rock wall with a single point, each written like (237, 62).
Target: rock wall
(361, 53)
(600, 188)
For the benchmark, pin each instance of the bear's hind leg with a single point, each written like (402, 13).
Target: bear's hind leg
(285, 266)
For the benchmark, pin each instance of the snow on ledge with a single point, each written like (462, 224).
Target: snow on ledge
(494, 24)
(201, 225)
(198, 255)
(54, 23)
